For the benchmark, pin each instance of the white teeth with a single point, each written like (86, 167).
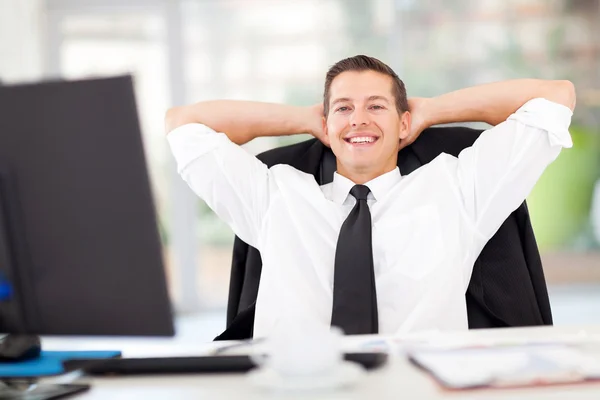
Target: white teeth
(366, 139)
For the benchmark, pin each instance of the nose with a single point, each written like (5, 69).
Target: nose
(359, 117)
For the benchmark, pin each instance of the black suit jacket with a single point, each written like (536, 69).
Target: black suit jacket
(507, 286)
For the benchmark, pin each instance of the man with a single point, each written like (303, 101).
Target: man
(372, 252)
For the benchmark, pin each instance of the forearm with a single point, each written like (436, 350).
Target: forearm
(242, 121)
(495, 102)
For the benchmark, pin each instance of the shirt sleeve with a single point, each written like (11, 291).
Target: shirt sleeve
(497, 173)
(232, 182)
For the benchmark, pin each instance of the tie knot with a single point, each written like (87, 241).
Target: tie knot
(360, 192)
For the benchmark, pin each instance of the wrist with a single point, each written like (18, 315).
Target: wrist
(311, 119)
(422, 112)
(429, 112)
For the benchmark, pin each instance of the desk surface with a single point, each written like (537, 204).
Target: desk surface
(397, 380)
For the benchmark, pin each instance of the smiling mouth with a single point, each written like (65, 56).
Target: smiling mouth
(361, 141)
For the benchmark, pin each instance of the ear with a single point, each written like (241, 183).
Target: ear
(325, 138)
(405, 124)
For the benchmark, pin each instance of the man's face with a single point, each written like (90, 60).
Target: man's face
(363, 127)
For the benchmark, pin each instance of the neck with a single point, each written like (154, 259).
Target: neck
(360, 177)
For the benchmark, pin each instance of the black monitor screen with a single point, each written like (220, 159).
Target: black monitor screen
(80, 251)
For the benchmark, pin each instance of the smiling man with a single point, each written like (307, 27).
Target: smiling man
(374, 251)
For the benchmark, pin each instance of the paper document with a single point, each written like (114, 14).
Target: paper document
(506, 366)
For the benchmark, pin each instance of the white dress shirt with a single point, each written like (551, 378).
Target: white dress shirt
(428, 227)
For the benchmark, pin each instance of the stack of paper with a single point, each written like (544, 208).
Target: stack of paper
(508, 366)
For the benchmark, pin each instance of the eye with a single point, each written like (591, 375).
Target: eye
(377, 107)
(342, 108)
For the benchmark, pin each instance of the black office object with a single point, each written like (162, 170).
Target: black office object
(79, 238)
(199, 364)
(19, 347)
(44, 392)
(80, 252)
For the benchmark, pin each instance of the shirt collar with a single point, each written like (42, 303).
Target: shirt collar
(379, 186)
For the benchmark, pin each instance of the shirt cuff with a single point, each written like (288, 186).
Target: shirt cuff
(191, 141)
(549, 116)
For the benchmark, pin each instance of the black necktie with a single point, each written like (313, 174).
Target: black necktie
(354, 295)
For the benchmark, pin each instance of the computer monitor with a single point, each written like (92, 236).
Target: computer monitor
(80, 252)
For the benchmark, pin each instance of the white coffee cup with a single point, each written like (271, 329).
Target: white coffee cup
(296, 349)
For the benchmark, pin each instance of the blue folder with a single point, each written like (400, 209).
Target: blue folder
(49, 363)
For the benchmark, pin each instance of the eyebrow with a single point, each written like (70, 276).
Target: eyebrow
(370, 98)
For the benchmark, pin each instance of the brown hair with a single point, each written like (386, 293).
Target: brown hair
(365, 63)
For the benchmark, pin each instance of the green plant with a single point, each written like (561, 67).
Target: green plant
(560, 202)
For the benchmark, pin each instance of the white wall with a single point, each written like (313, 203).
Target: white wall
(21, 42)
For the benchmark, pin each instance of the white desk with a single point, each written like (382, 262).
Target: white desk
(397, 380)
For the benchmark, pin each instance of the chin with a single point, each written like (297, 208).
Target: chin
(360, 166)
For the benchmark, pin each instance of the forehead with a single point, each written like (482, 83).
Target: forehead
(354, 84)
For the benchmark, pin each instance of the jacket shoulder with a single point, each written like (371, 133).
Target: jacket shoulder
(444, 139)
(304, 155)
